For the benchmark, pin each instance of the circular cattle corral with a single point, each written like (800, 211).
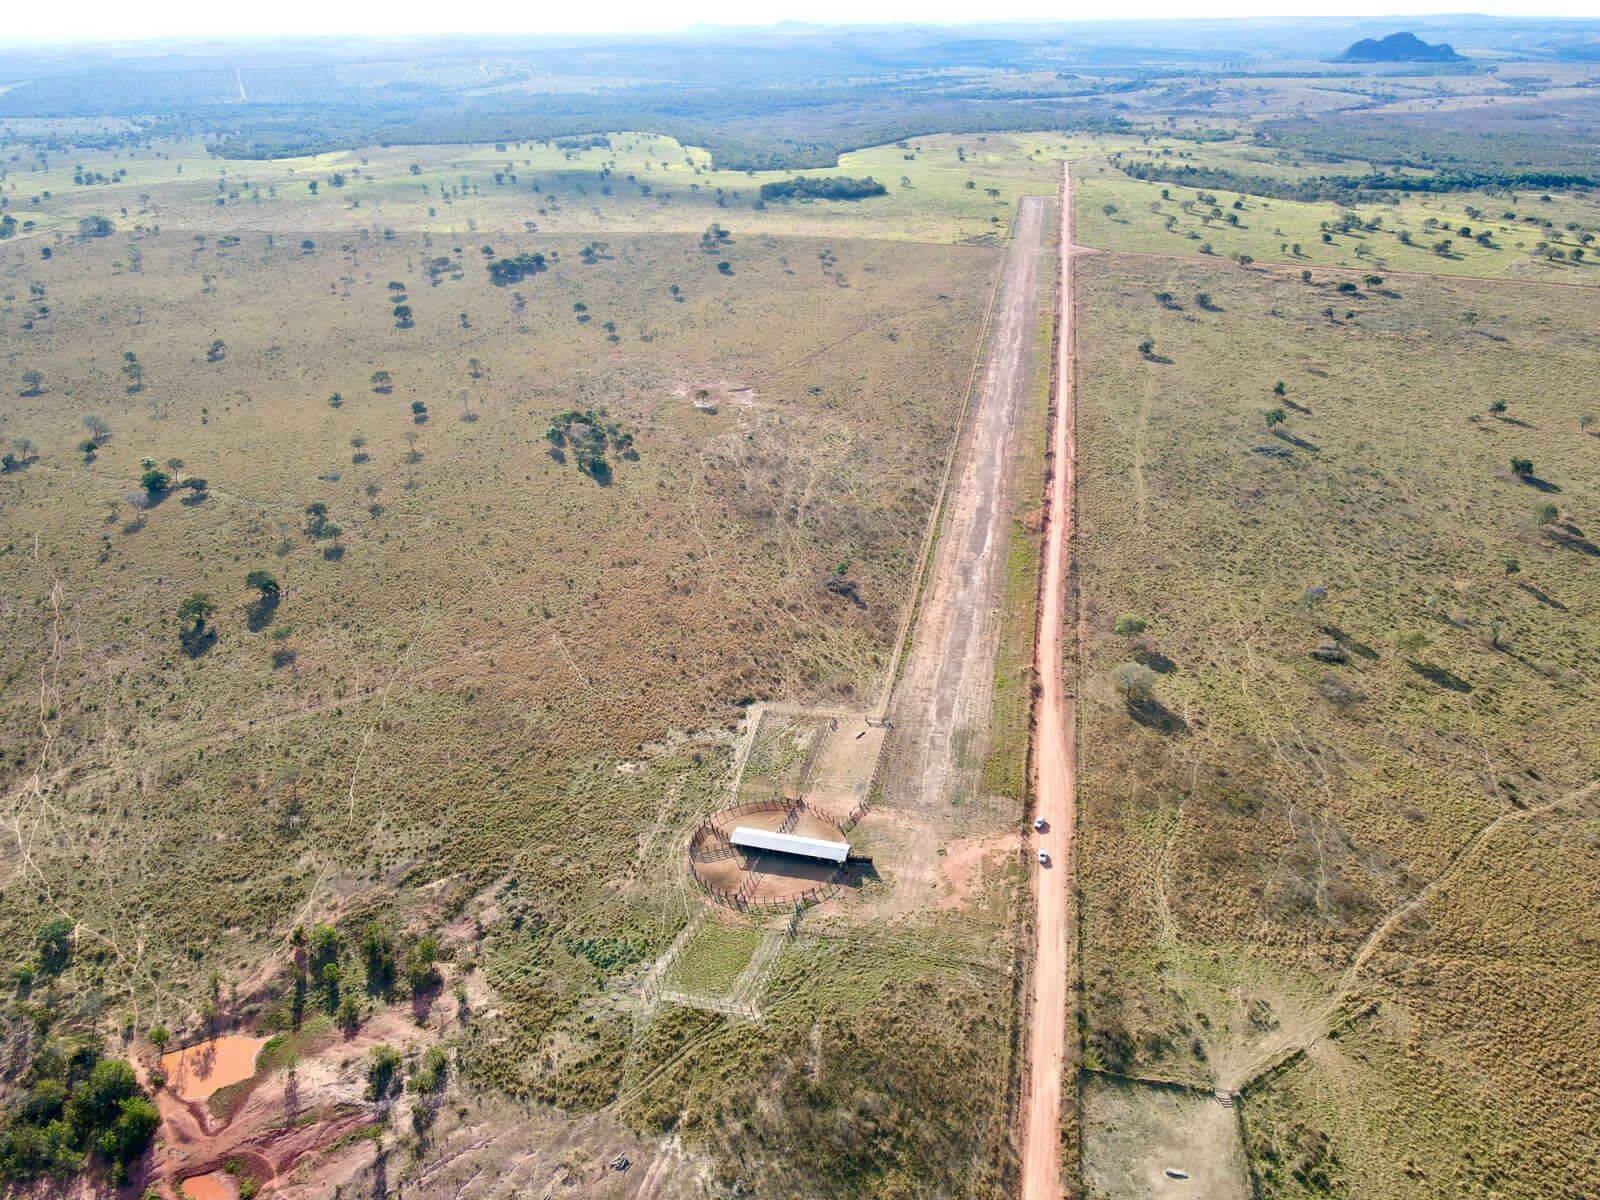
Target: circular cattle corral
(754, 879)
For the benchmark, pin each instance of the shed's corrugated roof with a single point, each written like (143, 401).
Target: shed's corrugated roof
(790, 843)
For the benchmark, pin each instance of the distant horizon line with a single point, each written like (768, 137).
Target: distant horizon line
(782, 25)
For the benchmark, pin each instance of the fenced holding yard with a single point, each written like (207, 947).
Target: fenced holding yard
(698, 969)
(745, 884)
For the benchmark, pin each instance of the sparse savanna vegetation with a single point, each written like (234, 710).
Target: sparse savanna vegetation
(432, 485)
(1364, 654)
(362, 690)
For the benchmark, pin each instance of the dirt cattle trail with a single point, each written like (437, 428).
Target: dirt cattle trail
(1054, 768)
(946, 691)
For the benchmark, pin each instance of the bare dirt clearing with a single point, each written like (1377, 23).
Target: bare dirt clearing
(213, 1185)
(967, 860)
(1139, 1133)
(941, 705)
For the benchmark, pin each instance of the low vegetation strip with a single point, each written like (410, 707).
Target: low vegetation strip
(714, 959)
(1356, 188)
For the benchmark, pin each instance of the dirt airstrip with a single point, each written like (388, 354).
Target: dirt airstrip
(943, 699)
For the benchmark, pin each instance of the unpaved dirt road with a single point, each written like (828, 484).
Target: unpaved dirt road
(944, 697)
(1054, 768)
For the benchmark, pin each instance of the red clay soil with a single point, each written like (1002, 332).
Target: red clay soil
(285, 1118)
(195, 1072)
(1054, 767)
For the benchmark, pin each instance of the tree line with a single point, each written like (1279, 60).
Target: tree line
(1350, 189)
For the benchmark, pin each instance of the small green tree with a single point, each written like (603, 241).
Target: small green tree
(1134, 682)
(263, 582)
(383, 1073)
(328, 983)
(430, 1074)
(1522, 468)
(194, 610)
(323, 946)
(1275, 417)
(378, 954)
(53, 944)
(1410, 641)
(347, 1015)
(1129, 625)
(421, 973)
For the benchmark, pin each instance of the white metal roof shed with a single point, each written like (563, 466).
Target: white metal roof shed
(789, 843)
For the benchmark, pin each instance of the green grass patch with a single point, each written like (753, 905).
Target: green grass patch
(714, 958)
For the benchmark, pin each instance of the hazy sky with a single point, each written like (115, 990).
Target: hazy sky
(101, 20)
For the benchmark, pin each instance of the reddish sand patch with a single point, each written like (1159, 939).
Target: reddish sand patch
(964, 863)
(218, 1185)
(195, 1072)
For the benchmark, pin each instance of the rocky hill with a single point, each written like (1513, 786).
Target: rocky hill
(1399, 47)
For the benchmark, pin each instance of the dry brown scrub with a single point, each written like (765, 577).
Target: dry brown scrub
(501, 632)
(1246, 828)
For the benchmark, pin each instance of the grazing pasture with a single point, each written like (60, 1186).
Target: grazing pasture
(1335, 797)
(1516, 231)
(416, 549)
(392, 564)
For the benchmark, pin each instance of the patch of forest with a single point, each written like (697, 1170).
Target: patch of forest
(1351, 189)
(806, 187)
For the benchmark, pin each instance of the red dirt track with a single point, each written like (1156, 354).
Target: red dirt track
(1054, 768)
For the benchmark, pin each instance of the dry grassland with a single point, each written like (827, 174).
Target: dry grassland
(498, 693)
(1273, 845)
(1531, 234)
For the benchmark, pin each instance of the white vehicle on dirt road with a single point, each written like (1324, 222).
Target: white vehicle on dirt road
(1044, 859)
(1040, 824)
